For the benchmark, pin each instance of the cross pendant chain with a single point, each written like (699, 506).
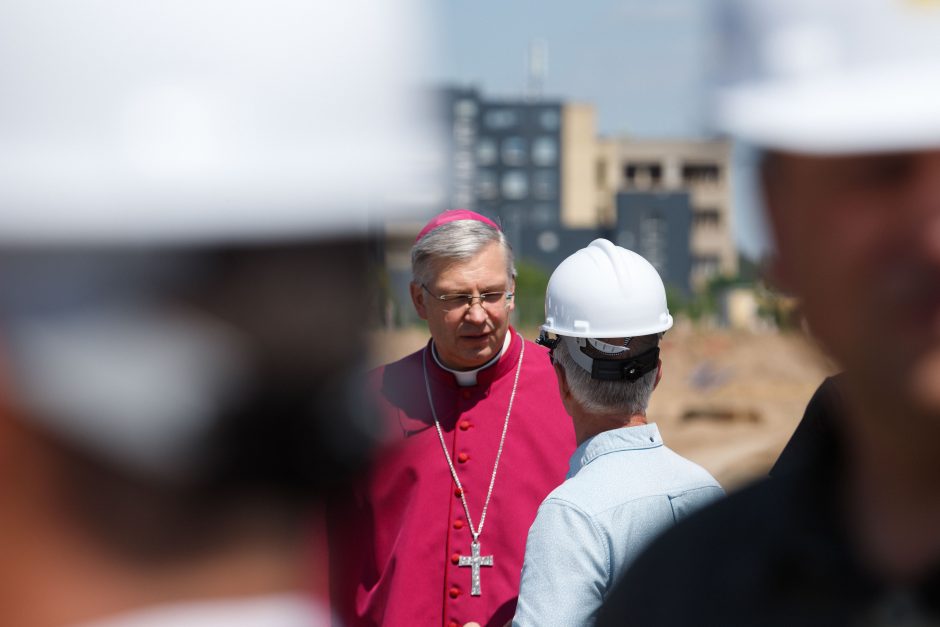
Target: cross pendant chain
(475, 561)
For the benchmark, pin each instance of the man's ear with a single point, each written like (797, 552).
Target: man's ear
(417, 299)
(563, 390)
(511, 305)
(659, 373)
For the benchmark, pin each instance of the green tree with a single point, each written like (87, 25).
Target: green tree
(531, 282)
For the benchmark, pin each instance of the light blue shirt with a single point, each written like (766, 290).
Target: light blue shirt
(624, 487)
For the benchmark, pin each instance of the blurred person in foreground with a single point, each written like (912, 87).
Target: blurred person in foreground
(605, 314)
(182, 302)
(843, 100)
(477, 438)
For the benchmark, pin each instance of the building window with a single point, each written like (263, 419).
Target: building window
(548, 241)
(486, 185)
(544, 151)
(600, 173)
(545, 184)
(549, 119)
(700, 173)
(706, 266)
(542, 215)
(706, 218)
(653, 240)
(501, 118)
(644, 175)
(515, 185)
(514, 151)
(465, 108)
(486, 152)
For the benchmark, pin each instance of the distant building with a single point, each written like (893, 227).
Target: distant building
(700, 168)
(537, 166)
(505, 157)
(656, 225)
(459, 115)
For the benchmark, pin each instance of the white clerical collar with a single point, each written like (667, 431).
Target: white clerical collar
(466, 378)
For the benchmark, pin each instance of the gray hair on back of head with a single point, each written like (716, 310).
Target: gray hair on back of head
(605, 397)
(456, 241)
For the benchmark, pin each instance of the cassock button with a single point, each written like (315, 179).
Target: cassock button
(464, 425)
(458, 493)
(462, 458)
(454, 592)
(458, 524)
(465, 393)
(453, 624)
(455, 559)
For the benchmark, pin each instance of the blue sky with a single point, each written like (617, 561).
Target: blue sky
(642, 63)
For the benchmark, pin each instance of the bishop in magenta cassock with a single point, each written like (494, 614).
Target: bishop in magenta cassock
(435, 535)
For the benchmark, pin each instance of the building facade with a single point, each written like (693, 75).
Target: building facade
(657, 227)
(699, 168)
(538, 167)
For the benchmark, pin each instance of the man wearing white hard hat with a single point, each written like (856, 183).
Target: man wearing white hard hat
(183, 297)
(841, 98)
(605, 313)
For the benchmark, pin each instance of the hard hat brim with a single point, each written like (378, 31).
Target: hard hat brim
(604, 333)
(886, 109)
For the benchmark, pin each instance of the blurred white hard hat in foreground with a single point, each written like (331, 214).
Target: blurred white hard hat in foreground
(190, 120)
(830, 76)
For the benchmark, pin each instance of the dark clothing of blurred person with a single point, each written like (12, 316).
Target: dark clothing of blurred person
(779, 552)
(815, 435)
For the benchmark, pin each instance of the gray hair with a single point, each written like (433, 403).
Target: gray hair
(459, 240)
(605, 397)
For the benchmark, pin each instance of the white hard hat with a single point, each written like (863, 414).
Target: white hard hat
(830, 76)
(195, 120)
(605, 291)
(140, 143)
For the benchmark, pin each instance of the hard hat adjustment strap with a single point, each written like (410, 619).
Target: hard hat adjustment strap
(629, 369)
(549, 342)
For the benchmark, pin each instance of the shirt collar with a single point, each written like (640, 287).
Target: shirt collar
(466, 378)
(622, 439)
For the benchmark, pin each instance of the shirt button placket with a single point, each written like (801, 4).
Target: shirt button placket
(464, 425)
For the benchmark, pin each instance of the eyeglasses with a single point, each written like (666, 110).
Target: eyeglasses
(454, 302)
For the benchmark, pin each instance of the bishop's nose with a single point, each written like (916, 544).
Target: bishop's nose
(476, 313)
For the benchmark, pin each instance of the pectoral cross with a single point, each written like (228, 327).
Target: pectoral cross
(474, 562)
